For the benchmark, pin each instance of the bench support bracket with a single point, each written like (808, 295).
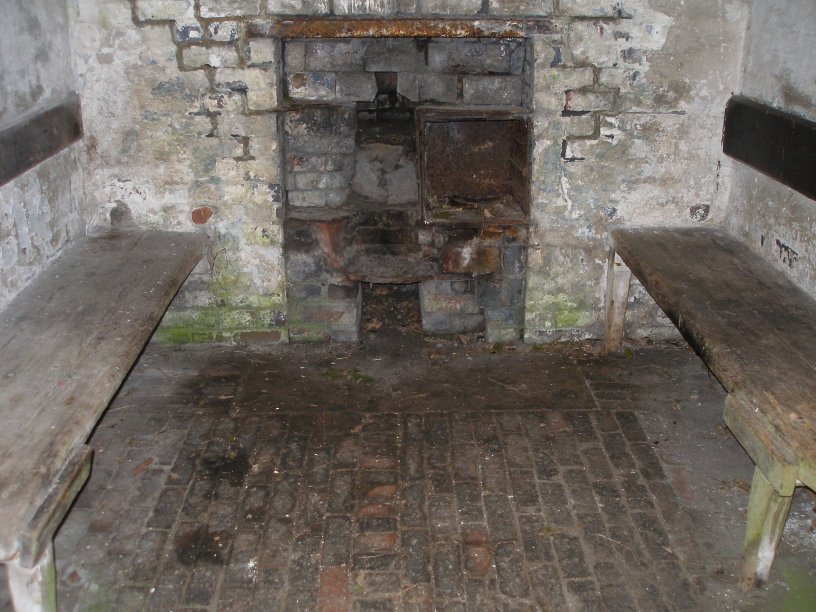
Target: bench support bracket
(767, 513)
(618, 278)
(34, 588)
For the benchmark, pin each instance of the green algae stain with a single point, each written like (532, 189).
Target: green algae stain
(340, 374)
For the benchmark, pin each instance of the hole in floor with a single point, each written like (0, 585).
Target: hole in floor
(391, 307)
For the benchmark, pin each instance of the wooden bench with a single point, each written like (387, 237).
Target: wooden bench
(756, 331)
(66, 343)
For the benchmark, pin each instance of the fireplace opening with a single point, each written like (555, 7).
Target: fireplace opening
(391, 308)
(406, 164)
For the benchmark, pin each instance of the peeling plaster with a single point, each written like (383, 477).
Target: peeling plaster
(155, 139)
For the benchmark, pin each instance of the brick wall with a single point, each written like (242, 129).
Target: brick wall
(351, 197)
(185, 97)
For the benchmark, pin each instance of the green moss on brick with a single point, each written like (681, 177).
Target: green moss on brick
(173, 335)
(566, 319)
(207, 317)
(218, 324)
(558, 309)
(233, 319)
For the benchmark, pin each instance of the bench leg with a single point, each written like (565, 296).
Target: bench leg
(618, 278)
(767, 513)
(34, 588)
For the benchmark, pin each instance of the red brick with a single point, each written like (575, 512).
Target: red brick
(462, 259)
(375, 510)
(477, 560)
(328, 237)
(201, 215)
(384, 491)
(375, 541)
(333, 593)
(476, 536)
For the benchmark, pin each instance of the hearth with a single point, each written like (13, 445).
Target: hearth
(407, 162)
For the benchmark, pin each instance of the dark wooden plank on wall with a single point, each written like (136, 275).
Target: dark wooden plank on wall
(26, 143)
(778, 144)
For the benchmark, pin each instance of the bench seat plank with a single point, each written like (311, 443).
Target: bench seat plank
(66, 343)
(756, 331)
(753, 327)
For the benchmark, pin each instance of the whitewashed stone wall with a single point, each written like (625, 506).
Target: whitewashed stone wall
(780, 71)
(41, 210)
(628, 120)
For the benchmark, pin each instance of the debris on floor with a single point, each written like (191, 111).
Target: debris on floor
(418, 473)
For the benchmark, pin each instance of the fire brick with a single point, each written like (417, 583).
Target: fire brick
(344, 292)
(336, 56)
(499, 90)
(312, 85)
(356, 86)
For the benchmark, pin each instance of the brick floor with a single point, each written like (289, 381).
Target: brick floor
(411, 474)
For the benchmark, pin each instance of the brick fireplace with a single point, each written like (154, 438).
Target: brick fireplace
(407, 160)
(250, 121)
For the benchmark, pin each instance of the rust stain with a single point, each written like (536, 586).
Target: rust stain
(327, 238)
(142, 466)
(491, 233)
(201, 215)
(404, 28)
(473, 258)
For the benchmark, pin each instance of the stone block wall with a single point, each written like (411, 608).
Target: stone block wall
(182, 133)
(324, 78)
(319, 161)
(42, 209)
(323, 302)
(351, 182)
(184, 101)
(485, 287)
(628, 115)
(473, 71)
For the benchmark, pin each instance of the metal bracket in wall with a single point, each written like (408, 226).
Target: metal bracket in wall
(37, 137)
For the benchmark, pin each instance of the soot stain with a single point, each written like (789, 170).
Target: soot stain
(786, 253)
(200, 545)
(233, 466)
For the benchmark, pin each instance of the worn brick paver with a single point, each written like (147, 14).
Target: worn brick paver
(433, 476)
